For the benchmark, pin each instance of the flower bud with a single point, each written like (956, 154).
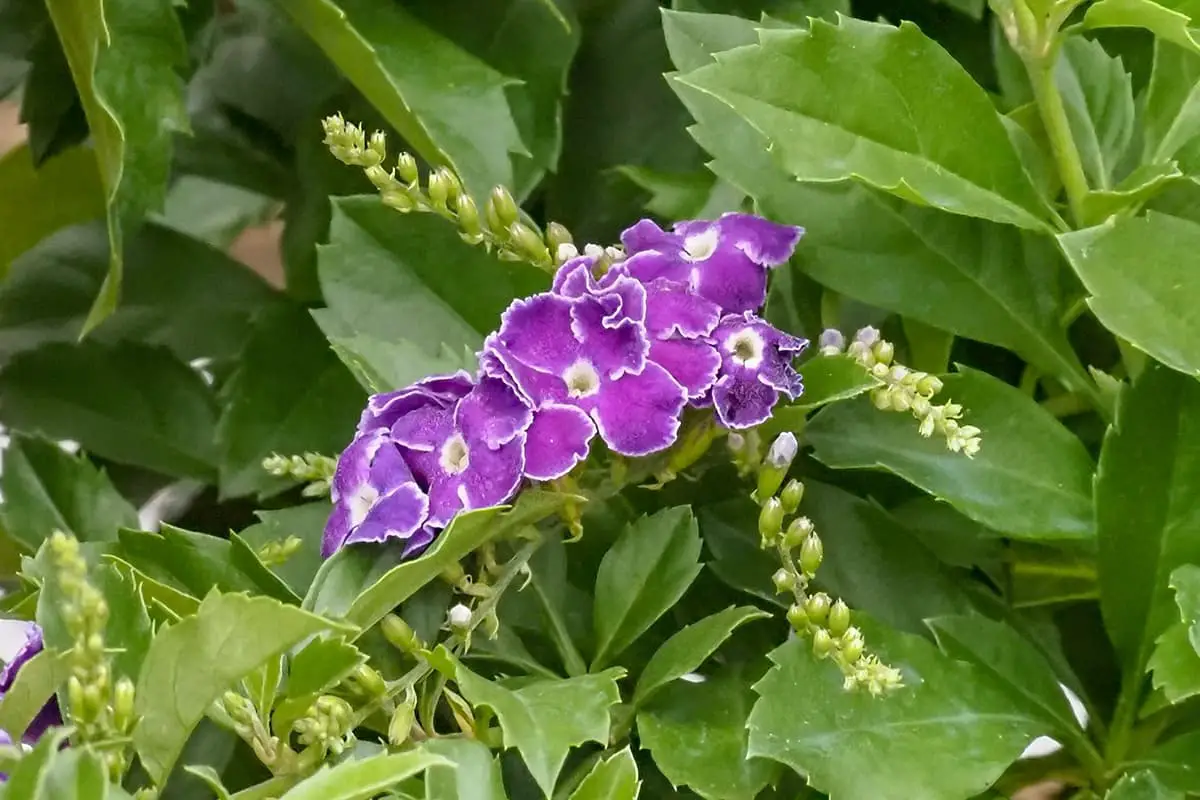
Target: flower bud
(736, 442)
(370, 680)
(929, 385)
(770, 520)
(832, 342)
(501, 203)
(75, 695)
(401, 723)
(868, 336)
(123, 705)
(797, 532)
(839, 618)
(468, 215)
(817, 608)
(406, 168)
(811, 554)
(784, 581)
(797, 618)
(852, 651)
(792, 494)
(399, 201)
(884, 351)
(399, 634)
(438, 188)
(527, 243)
(775, 466)
(557, 236)
(565, 252)
(822, 643)
(459, 618)
(376, 150)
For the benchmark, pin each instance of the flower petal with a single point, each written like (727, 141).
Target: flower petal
(384, 409)
(537, 332)
(646, 235)
(534, 387)
(612, 350)
(557, 441)
(743, 401)
(424, 429)
(731, 279)
(671, 309)
(354, 464)
(693, 364)
(639, 414)
(492, 414)
(494, 475)
(765, 242)
(396, 515)
(652, 265)
(337, 528)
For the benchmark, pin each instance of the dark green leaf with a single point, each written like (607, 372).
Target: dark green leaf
(191, 663)
(690, 647)
(164, 603)
(446, 103)
(1143, 504)
(644, 574)
(696, 733)
(365, 778)
(475, 774)
(123, 55)
(614, 778)
(544, 719)
(1141, 785)
(895, 135)
(1173, 762)
(1031, 479)
(948, 733)
(129, 403)
(35, 684)
(290, 394)
(320, 664)
(1166, 19)
(306, 522)
(47, 489)
(210, 777)
(50, 106)
(684, 195)
(1097, 94)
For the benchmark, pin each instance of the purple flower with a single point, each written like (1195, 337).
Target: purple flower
(678, 323)
(756, 365)
(724, 260)
(49, 715)
(470, 455)
(384, 409)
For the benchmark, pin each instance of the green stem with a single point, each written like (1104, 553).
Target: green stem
(275, 787)
(1054, 117)
(1124, 716)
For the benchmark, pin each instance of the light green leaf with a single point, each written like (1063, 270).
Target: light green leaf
(697, 734)
(47, 489)
(37, 202)
(362, 584)
(645, 572)
(128, 632)
(474, 774)
(690, 647)
(36, 682)
(948, 733)
(364, 778)
(1097, 95)
(110, 399)
(191, 663)
(212, 778)
(1135, 189)
(1166, 19)
(1171, 116)
(895, 135)
(306, 522)
(164, 603)
(614, 778)
(1175, 661)
(28, 781)
(80, 775)
(123, 55)
(447, 104)
(320, 664)
(1144, 504)
(544, 719)
(1032, 477)
(1141, 785)
(290, 394)
(1143, 285)
(693, 38)
(684, 195)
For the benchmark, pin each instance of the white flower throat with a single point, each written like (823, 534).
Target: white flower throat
(456, 457)
(361, 502)
(582, 379)
(699, 246)
(745, 347)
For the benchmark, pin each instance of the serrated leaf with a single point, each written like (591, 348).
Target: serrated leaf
(903, 145)
(613, 778)
(191, 663)
(110, 399)
(447, 104)
(1031, 478)
(1137, 188)
(36, 682)
(642, 575)
(290, 394)
(47, 489)
(690, 647)
(696, 733)
(1171, 116)
(544, 719)
(1143, 505)
(362, 584)
(1168, 19)
(693, 38)
(948, 733)
(361, 779)
(1097, 96)
(306, 522)
(474, 773)
(132, 120)
(1175, 661)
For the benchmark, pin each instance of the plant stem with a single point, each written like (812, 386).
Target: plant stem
(1124, 716)
(275, 787)
(1054, 117)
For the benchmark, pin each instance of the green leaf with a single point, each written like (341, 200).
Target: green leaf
(164, 603)
(128, 632)
(191, 663)
(1171, 117)
(684, 195)
(690, 647)
(80, 775)
(320, 664)
(1141, 785)
(28, 781)
(47, 489)
(1173, 762)
(827, 379)
(697, 734)
(290, 394)
(1031, 479)
(1139, 273)
(693, 38)
(1097, 95)
(1138, 187)
(210, 777)
(200, 307)
(447, 104)
(36, 682)
(475, 774)
(394, 302)
(362, 584)
(910, 744)
(123, 55)
(364, 778)
(895, 136)
(112, 400)
(1143, 508)
(643, 575)
(37, 202)
(1176, 658)
(306, 522)
(1167, 19)
(614, 778)
(544, 719)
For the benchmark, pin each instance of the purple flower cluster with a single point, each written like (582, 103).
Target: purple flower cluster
(616, 355)
(49, 715)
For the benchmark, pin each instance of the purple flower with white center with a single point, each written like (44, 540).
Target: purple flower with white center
(724, 260)
(470, 455)
(375, 496)
(678, 323)
(49, 715)
(756, 365)
(384, 409)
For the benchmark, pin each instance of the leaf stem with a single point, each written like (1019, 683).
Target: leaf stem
(1124, 716)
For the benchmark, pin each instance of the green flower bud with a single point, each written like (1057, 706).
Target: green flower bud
(527, 243)
(797, 618)
(770, 520)
(883, 351)
(792, 494)
(399, 201)
(852, 651)
(557, 235)
(881, 398)
(438, 188)
(839, 618)
(401, 723)
(929, 385)
(784, 580)
(75, 695)
(399, 634)
(822, 643)
(817, 608)
(505, 208)
(775, 466)
(406, 168)
(376, 149)
(370, 680)
(123, 705)
(811, 554)
(468, 215)
(797, 532)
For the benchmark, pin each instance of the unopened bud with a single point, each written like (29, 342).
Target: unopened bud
(401, 723)
(832, 342)
(399, 634)
(459, 618)
(822, 643)
(929, 385)
(376, 149)
(839, 618)
(852, 651)
(784, 581)
(406, 168)
(797, 619)
(817, 608)
(438, 188)
(370, 680)
(501, 203)
(811, 554)
(527, 243)
(792, 494)
(557, 236)
(867, 336)
(399, 201)
(75, 695)
(775, 465)
(736, 442)
(797, 532)
(884, 351)
(123, 704)
(468, 215)
(770, 520)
